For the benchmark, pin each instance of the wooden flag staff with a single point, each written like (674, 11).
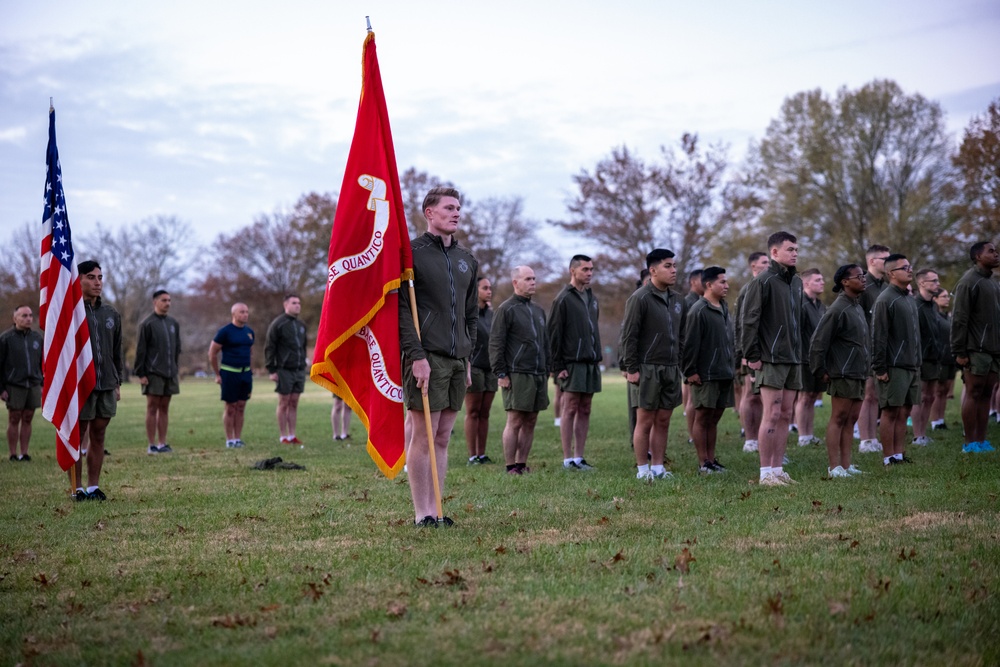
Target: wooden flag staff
(427, 412)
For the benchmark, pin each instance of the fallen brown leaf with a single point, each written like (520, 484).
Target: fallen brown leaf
(683, 560)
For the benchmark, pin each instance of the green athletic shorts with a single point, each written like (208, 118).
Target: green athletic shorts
(24, 398)
(527, 393)
(157, 385)
(482, 382)
(447, 385)
(291, 382)
(851, 388)
(903, 388)
(584, 378)
(659, 387)
(984, 363)
(778, 376)
(100, 404)
(712, 395)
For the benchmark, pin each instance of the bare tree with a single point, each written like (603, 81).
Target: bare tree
(137, 260)
(20, 263)
(978, 161)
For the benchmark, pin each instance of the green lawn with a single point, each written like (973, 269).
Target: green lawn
(196, 559)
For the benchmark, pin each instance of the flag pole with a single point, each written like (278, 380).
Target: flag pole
(72, 480)
(427, 411)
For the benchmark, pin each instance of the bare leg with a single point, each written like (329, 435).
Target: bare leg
(976, 404)
(13, 430)
(751, 411)
(473, 407)
(869, 412)
(773, 435)
(575, 423)
(921, 412)
(805, 412)
(418, 463)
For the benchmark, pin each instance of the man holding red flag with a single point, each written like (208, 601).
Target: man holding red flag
(437, 358)
(357, 346)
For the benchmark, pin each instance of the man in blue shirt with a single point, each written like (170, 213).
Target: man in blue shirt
(234, 374)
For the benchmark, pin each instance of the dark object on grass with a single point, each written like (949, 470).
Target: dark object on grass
(276, 462)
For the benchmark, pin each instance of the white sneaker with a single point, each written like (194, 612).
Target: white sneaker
(854, 470)
(869, 447)
(807, 440)
(770, 479)
(666, 474)
(838, 472)
(783, 476)
(750, 446)
(922, 440)
(645, 475)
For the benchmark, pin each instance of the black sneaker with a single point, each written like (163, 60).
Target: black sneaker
(474, 461)
(892, 462)
(25, 457)
(13, 457)
(96, 494)
(583, 465)
(718, 466)
(446, 522)
(905, 459)
(164, 449)
(152, 449)
(939, 427)
(427, 522)
(485, 459)
(81, 495)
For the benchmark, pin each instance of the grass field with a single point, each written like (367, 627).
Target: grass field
(196, 559)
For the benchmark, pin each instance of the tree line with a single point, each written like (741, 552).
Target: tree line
(841, 171)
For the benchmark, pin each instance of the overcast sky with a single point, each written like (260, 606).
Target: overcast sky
(218, 111)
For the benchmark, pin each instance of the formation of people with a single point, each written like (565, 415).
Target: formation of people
(886, 351)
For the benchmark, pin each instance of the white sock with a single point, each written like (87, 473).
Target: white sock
(937, 422)
(473, 458)
(885, 460)
(805, 438)
(566, 462)
(91, 489)
(777, 470)
(764, 470)
(898, 457)
(577, 459)
(657, 469)
(643, 468)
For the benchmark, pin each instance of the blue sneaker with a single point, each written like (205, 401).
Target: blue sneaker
(971, 448)
(983, 446)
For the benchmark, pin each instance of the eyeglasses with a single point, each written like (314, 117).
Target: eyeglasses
(860, 276)
(902, 268)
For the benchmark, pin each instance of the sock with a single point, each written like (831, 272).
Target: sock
(577, 459)
(520, 466)
(566, 462)
(79, 489)
(885, 461)
(473, 458)
(643, 468)
(91, 489)
(777, 470)
(937, 422)
(805, 438)
(657, 469)
(898, 457)
(765, 470)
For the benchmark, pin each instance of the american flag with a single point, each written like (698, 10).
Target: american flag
(68, 364)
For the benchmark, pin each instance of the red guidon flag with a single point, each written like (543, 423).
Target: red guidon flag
(357, 348)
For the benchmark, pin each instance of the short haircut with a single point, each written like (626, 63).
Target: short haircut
(17, 308)
(437, 194)
(977, 249)
(893, 258)
(923, 272)
(754, 256)
(291, 296)
(776, 239)
(517, 272)
(809, 273)
(695, 274)
(643, 274)
(87, 266)
(577, 260)
(875, 249)
(158, 293)
(841, 275)
(657, 255)
(711, 274)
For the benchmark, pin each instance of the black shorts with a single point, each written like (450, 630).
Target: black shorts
(236, 386)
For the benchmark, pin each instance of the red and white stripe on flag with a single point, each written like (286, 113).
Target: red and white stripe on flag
(67, 363)
(357, 347)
